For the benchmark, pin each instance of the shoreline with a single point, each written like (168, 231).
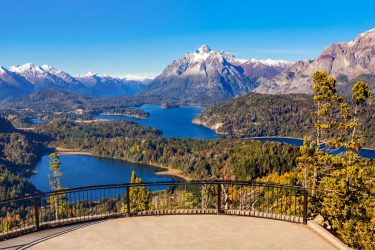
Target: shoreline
(70, 151)
(281, 137)
(166, 171)
(173, 172)
(73, 153)
(130, 116)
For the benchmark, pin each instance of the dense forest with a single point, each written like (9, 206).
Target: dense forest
(132, 112)
(84, 136)
(19, 151)
(204, 159)
(255, 115)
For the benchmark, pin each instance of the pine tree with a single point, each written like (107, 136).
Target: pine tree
(344, 193)
(326, 98)
(361, 93)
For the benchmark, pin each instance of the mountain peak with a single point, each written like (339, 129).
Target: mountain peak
(47, 67)
(367, 33)
(25, 68)
(204, 49)
(91, 73)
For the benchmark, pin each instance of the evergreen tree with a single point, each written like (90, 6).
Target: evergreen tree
(342, 186)
(361, 93)
(326, 98)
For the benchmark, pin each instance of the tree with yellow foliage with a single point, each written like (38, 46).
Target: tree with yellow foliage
(57, 200)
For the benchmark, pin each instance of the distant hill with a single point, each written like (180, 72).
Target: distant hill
(47, 100)
(53, 100)
(255, 115)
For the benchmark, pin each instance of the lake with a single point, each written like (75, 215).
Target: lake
(368, 153)
(37, 121)
(173, 122)
(86, 170)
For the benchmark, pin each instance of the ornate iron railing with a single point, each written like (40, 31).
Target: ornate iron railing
(43, 210)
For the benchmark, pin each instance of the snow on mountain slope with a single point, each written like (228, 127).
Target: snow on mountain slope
(45, 76)
(106, 85)
(212, 76)
(13, 85)
(23, 79)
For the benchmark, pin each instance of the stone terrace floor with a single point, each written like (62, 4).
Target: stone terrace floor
(174, 232)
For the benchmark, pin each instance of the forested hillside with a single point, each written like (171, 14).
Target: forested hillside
(84, 136)
(204, 159)
(272, 115)
(52, 100)
(18, 152)
(18, 149)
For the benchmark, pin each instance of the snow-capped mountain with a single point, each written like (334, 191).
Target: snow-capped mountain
(45, 76)
(62, 75)
(21, 80)
(110, 85)
(268, 68)
(346, 61)
(207, 75)
(13, 85)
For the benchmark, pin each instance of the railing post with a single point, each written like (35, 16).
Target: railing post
(219, 211)
(36, 212)
(304, 206)
(128, 200)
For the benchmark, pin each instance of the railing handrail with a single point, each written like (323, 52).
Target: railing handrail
(159, 183)
(227, 197)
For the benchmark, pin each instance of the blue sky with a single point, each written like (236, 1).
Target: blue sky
(142, 37)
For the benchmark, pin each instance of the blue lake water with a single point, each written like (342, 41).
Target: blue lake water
(368, 153)
(37, 121)
(86, 170)
(291, 141)
(173, 122)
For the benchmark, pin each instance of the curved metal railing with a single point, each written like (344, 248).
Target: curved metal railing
(43, 210)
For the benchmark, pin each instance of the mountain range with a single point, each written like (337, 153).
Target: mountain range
(346, 61)
(208, 76)
(17, 81)
(212, 76)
